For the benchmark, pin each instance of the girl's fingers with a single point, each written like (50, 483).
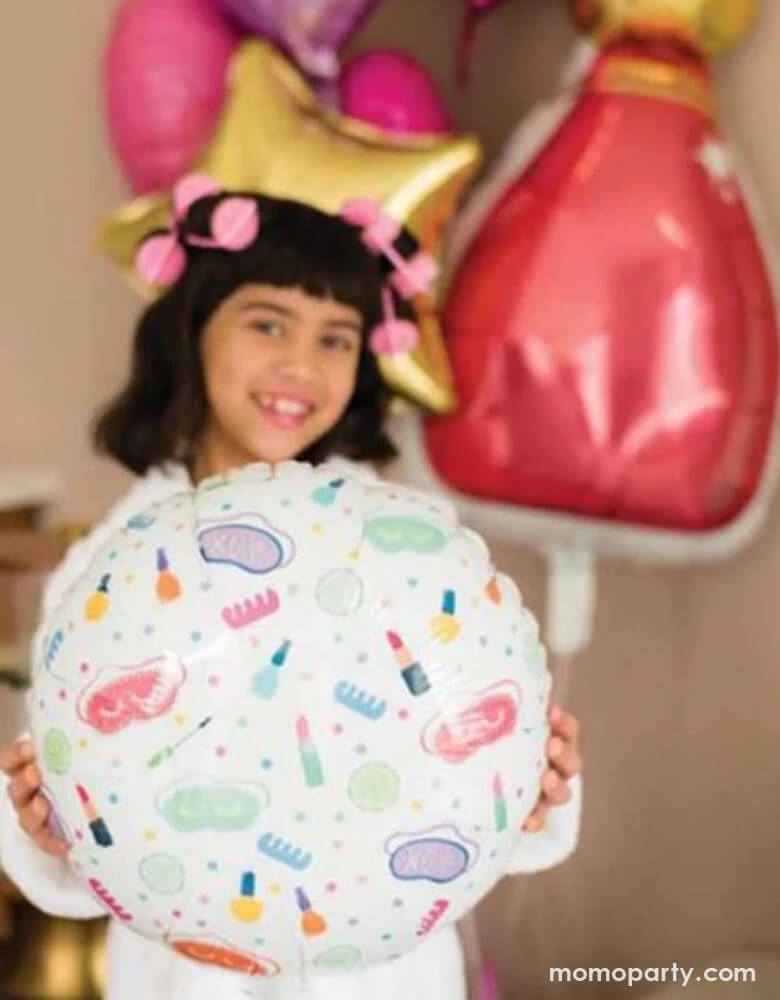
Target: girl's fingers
(569, 765)
(40, 808)
(565, 760)
(33, 816)
(564, 757)
(24, 785)
(20, 792)
(564, 724)
(31, 821)
(537, 819)
(33, 776)
(16, 755)
(51, 845)
(556, 790)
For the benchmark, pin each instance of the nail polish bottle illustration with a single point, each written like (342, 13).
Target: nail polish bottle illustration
(266, 681)
(168, 586)
(246, 908)
(97, 602)
(312, 923)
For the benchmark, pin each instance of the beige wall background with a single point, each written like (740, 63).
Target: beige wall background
(680, 691)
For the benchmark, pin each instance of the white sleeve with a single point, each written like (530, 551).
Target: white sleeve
(46, 881)
(556, 841)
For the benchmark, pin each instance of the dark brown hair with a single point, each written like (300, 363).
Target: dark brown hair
(162, 409)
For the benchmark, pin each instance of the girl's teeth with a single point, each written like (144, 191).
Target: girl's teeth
(288, 407)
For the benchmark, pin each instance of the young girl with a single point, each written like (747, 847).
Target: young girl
(262, 349)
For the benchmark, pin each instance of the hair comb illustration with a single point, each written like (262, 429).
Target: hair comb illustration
(357, 700)
(109, 901)
(53, 644)
(284, 852)
(432, 917)
(253, 609)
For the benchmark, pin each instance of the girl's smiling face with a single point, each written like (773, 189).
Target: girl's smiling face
(279, 370)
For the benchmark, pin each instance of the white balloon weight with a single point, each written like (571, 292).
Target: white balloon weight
(291, 718)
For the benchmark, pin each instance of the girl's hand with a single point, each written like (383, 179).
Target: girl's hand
(17, 760)
(563, 756)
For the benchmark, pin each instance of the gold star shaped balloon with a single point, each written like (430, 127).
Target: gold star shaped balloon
(276, 137)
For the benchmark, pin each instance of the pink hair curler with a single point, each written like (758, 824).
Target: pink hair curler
(234, 225)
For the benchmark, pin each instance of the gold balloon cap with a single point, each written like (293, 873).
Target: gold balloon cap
(709, 26)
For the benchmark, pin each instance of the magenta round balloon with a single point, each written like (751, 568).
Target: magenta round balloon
(312, 31)
(165, 86)
(393, 91)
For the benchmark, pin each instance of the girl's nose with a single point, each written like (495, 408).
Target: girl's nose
(297, 362)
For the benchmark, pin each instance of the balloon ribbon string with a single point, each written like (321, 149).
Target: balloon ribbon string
(474, 14)
(468, 34)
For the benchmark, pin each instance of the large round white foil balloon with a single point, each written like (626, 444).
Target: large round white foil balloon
(291, 718)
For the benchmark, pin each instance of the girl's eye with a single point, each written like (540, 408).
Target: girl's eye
(268, 327)
(338, 342)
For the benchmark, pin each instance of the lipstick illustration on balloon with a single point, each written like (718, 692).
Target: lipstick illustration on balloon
(413, 674)
(499, 805)
(97, 824)
(310, 758)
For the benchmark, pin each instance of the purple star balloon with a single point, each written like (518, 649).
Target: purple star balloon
(311, 30)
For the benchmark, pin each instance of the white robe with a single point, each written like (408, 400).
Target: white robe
(139, 969)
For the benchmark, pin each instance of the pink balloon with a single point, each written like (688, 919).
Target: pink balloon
(165, 86)
(391, 90)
